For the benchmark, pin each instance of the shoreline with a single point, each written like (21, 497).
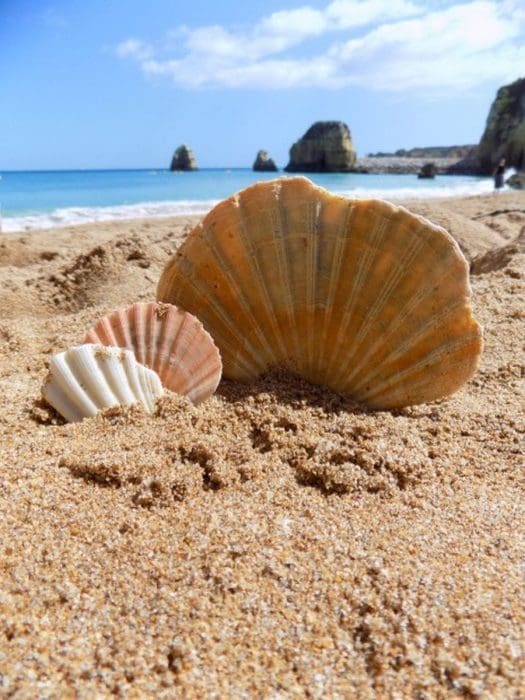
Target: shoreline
(276, 538)
(86, 215)
(450, 212)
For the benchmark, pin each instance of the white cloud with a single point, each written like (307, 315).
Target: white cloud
(134, 48)
(391, 45)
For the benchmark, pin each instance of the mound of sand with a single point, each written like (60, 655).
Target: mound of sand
(275, 541)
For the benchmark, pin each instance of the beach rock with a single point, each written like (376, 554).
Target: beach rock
(263, 163)
(499, 257)
(183, 159)
(517, 181)
(504, 135)
(427, 172)
(325, 147)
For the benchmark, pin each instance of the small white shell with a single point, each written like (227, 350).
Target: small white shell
(87, 379)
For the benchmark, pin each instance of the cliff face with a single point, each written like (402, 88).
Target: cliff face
(183, 159)
(325, 147)
(504, 135)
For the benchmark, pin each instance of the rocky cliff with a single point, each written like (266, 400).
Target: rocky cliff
(325, 147)
(428, 152)
(504, 135)
(400, 165)
(263, 162)
(183, 159)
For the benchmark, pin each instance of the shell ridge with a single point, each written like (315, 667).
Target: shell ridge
(164, 343)
(285, 268)
(391, 282)
(176, 351)
(132, 372)
(85, 367)
(62, 370)
(421, 391)
(137, 332)
(207, 385)
(408, 345)
(363, 269)
(245, 365)
(313, 217)
(155, 327)
(150, 385)
(59, 400)
(111, 367)
(201, 371)
(267, 297)
(342, 240)
(229, 271)
(126, 333)
(68, 387)
(405, 312)
(430, 359)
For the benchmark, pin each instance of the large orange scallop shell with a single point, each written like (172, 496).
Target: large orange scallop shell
(357, 295)
(170, 341)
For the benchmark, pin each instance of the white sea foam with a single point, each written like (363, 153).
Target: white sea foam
(476, 187)
(74, 216)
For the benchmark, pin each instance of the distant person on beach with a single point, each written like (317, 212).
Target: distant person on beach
(499, 172)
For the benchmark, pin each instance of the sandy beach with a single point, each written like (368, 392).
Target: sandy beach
(277, 540)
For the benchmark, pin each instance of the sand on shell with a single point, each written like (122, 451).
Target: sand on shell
(276, 541)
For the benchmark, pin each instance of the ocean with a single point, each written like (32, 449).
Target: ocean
(44, 199)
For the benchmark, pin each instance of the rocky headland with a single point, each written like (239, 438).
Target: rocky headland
(401, 165)
(443, 159)
(504, 135)
(439, 152)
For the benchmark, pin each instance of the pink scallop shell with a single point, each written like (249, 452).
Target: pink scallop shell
(168, 340)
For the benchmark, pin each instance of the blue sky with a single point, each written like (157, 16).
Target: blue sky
(122, 83)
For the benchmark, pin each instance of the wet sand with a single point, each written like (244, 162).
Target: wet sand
(277, 540)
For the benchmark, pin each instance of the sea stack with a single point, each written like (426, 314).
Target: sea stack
(325, 148)
(263, 163)
(183, 159)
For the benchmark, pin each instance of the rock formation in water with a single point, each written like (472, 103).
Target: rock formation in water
(183, 159)
(325, 147)
(517, 181)
(504, 135)
(263, 163)
(427, 172)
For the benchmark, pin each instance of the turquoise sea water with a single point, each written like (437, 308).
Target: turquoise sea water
(43, 199)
